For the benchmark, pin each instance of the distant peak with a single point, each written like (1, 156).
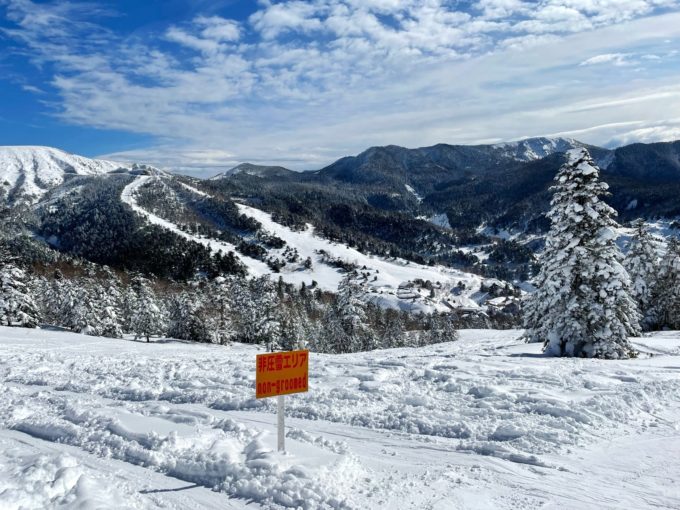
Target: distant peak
(255, 170)
(529, 149)
(27, 171)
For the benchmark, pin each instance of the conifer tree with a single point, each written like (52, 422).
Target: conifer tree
(220, 290)
(582, 306)
(128, 306)
(393, 329)
(188, 321)
(347, 329)
(257, 312)
(82, 313)
(51, 299)
(147, 318)
(642, 264)
(17, 307)
(442, 328)
(666, 295)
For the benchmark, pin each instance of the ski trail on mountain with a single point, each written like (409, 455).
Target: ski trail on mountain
(388, 282)
(255, 267)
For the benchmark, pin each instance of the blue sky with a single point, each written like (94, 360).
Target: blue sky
(197, 86)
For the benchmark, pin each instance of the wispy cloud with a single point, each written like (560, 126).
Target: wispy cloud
(618, 59)
(302, 82)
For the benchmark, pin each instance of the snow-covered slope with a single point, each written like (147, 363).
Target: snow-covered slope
(28, 172)
(256, 267)
(389, 281)
(482, 423)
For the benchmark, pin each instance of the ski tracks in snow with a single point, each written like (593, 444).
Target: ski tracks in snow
(485, 422)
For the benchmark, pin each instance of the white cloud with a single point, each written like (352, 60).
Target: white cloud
(32, 89)
(219, 29)
(191, 41)
(279, 18)
(301, 83)
(665, 131)
(607, 58)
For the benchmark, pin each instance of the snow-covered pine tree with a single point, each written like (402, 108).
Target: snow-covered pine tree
(393, 329)
(220, 291)
(442, 328)
(347, 324)
(80, 310)
(188, 321)
(293, 328)
(112, 323)
(582, 306)
(128, 306)
(147, 318)
(257, 314)
(103, 298)
(17, 307)
(50, 298)
(666, 294)
(268, 314)
(642, 264)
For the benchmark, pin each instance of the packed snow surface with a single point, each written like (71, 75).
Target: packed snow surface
(484, 422)
(28, 172)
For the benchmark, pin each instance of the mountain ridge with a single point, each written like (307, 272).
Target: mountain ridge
(29, 171)
(254, 170)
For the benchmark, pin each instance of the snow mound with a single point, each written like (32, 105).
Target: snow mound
(39, 481)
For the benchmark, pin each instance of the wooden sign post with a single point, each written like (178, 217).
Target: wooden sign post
(278, 374)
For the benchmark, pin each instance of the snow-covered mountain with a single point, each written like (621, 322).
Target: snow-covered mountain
(255, 170)
(27, 172)
(425, 228)
(530, 149)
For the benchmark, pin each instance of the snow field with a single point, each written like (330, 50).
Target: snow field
(485, 422)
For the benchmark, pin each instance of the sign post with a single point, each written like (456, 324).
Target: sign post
(280, 421)
(278, 374)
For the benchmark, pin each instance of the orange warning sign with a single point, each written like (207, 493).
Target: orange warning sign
(281, 373)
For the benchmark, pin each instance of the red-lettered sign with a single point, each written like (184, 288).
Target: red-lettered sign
(281, 373)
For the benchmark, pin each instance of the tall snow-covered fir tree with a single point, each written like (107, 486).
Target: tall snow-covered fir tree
(582, 306)
(346, 323)
(147, 318)
(17, 307)
(442, 328)
(51, 298)
(666, 294)
(257, 312)
(642, 264)
(220, 290)
(187, 318)
(393, 329)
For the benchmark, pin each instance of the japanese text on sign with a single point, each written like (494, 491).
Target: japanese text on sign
(281, 373)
